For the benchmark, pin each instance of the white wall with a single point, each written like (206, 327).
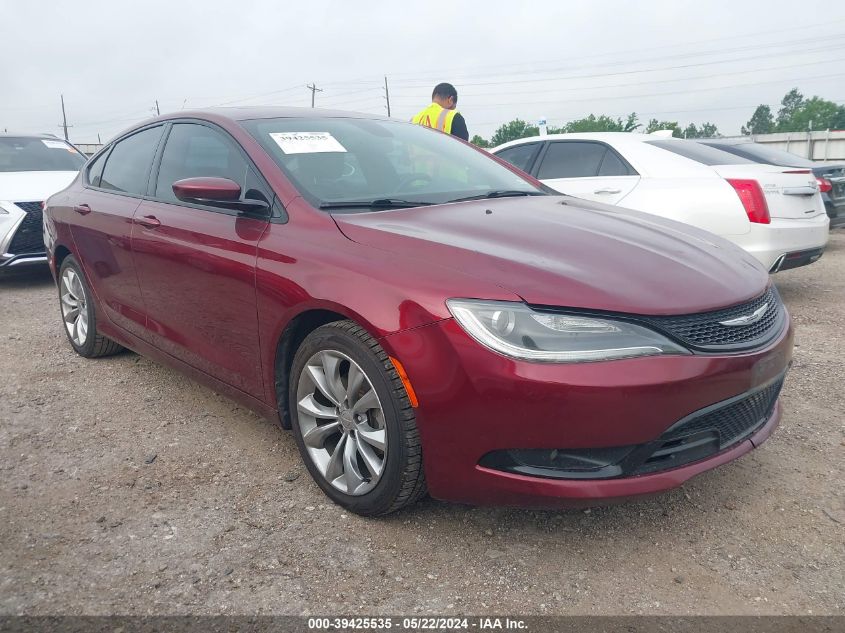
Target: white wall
(819, 146)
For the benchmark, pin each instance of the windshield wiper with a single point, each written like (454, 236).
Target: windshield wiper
(379, 203)
(500, 193)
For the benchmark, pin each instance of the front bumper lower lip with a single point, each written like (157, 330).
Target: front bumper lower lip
(523, 491)
(20, 261)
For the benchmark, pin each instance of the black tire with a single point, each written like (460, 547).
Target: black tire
(403, 480)
(94, 344)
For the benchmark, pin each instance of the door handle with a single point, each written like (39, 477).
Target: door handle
(608, 191)
(148, 221)
(82, 209)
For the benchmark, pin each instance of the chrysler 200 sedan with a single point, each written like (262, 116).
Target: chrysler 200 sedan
(422, 315)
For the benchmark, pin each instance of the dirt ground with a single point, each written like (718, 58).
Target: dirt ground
(128, 489)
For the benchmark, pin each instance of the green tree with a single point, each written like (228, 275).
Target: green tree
(761, 122)
(707, 130)
(654, 125)
(479, 142)
(691, 131)
(601, 123)
(513, 130)
(817, 114)
(790, 105)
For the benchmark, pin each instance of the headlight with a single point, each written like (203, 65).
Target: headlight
(517, 331)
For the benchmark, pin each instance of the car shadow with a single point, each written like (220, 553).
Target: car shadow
(26, 279)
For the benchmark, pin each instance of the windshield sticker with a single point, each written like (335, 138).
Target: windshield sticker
(306, 142)
(57, 145)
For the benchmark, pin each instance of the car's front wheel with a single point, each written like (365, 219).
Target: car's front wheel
(353, 422)
(78, 314)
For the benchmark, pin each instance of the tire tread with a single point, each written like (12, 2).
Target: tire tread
(413, 486)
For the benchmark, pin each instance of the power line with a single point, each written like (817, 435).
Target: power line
(638, 71)
(628, 52)
(660, 94)
(651, 82)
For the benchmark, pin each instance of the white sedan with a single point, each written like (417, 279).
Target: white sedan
(774, 213)
(32, 168)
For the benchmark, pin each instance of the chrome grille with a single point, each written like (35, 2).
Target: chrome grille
(705, 331)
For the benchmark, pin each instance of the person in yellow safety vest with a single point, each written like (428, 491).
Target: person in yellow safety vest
(441, 114)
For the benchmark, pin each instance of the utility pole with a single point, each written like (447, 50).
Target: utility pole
(387, 95)
(64, 118)
(158, 112)
(314, 90)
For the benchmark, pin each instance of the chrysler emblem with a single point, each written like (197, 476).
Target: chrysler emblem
(747, 319)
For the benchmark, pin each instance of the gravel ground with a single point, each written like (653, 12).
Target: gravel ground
(128, 489)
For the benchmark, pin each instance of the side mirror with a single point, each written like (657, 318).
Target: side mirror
(216, 192)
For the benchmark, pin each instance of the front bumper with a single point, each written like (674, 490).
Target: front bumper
(10, 262)
(14, 220)
(474, 402)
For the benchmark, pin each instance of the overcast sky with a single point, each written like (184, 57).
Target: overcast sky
(685, 60)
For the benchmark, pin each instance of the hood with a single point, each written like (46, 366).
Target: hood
(33, 186)
(562, 251)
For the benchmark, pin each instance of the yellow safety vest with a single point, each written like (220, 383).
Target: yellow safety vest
(437, 117)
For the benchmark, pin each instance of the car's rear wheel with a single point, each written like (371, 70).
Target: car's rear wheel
(78, 314)
(353, 422)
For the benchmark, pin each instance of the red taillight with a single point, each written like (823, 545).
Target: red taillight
(824, 184)
(752, 198)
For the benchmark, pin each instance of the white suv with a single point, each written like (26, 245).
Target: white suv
(32, 168)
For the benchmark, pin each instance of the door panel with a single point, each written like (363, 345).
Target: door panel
(102, 225)
(586, 169)
(196, 264)
(611, 189)
(102, 238)
(197, 275)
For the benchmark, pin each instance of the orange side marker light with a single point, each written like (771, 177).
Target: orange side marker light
(412, 396)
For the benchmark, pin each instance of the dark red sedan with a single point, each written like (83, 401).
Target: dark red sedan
(422, 315)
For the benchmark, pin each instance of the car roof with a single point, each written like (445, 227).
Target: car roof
(608, 137)
(246, 113)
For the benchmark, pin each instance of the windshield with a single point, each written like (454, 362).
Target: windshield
(22, 153)
(762, 154)
(335, 160)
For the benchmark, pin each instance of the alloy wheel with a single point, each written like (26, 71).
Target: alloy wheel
(74, 308)
(342, 422)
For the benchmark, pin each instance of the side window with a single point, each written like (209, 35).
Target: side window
(95, 171)
(571, 159)
(612, 165)
(197, 150)
(128, 166)
(520, 156)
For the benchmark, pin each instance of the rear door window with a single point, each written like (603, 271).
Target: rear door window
(521, 156)
(571, 159)
(127, 169)
(194, 151)
(613, 165)
(95, 170)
